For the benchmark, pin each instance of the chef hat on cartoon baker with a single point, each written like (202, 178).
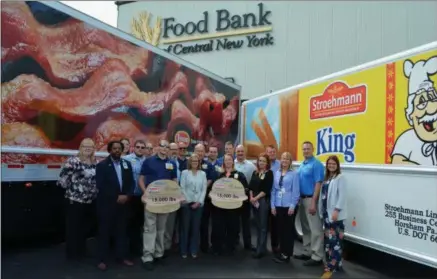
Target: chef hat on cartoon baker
(418, 79)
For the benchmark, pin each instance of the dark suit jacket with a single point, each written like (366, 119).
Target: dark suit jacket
(108, 185)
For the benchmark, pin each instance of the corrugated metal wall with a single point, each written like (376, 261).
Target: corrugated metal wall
(312, 39)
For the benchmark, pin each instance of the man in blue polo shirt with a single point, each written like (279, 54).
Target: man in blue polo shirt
(211, 175)
(229, 149)
(154, 168)
(311, 175)
(213, 158)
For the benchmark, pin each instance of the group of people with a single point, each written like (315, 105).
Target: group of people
(276, 195)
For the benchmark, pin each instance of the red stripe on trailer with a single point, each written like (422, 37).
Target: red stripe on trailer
(54, 166)
(15, 166)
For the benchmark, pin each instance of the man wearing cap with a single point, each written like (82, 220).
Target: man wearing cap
(157, 167)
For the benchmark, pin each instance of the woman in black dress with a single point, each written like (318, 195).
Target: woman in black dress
(225, 222)
(260, 187)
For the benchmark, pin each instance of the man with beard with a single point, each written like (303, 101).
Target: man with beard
(157, 167)
(115, 182)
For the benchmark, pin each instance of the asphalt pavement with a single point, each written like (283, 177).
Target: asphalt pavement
(49, 262)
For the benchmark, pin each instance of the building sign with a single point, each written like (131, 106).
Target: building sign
(252, 30)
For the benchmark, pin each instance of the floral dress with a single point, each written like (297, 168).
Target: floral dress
(79, 181)
(333, 235)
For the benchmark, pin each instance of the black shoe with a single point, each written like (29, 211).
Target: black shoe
(302, 257)
(148, 266)
(250, 248)
(281, 259)
(160, 260)
(312, 262)
(257, 255)
(229, 252)
(214, 251)
(166, 253)
(204, 250)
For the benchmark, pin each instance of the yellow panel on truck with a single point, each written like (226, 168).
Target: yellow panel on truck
(380, 119)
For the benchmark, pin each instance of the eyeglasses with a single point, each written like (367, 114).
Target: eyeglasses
(182, 148)
(87, 146)
(140, 147)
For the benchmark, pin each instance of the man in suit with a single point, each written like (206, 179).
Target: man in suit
(115, 182)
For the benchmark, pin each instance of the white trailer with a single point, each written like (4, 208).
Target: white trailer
(380, 119)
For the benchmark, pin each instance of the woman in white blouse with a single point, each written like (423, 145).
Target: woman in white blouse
(193, 185)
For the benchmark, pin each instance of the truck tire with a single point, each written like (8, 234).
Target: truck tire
(298, 228)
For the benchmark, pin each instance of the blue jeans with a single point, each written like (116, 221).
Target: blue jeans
(190, 232)
(261, 215)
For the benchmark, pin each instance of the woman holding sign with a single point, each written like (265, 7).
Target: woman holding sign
(193, 186)
(225, 222)
(284, 198)
(260, 187)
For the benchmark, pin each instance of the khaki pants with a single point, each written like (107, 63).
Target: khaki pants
(169, 230)
(312, 231)
(153, 235)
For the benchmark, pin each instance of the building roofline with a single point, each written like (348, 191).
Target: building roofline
(120, 3)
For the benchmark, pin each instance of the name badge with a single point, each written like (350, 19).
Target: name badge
(169, 166)
(204, 166)
(218, 169)
(236, 176)
(283, 190)
(124, 165)
(262, 176)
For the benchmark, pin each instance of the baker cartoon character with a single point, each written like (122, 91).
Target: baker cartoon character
(418, 145)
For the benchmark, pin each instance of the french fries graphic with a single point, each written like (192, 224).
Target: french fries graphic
(288, 114)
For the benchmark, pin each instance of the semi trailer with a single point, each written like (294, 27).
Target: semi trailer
(380, 119)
